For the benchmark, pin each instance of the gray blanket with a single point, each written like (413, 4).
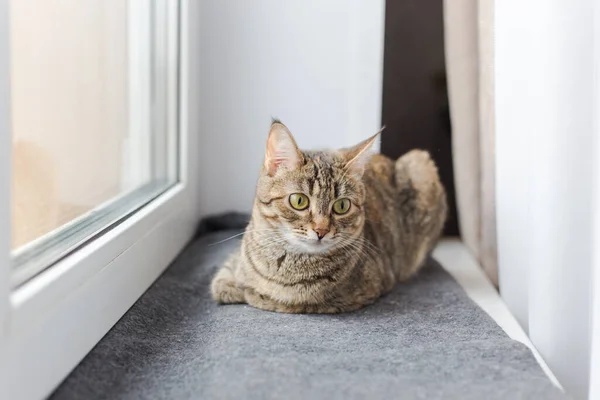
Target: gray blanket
(425, 340)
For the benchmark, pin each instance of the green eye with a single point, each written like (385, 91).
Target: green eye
(342, 206)
(299, 201)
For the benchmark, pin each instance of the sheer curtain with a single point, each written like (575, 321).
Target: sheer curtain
(525, 108)
(469, 65)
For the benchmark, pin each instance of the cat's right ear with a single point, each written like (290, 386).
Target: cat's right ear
(282, 151)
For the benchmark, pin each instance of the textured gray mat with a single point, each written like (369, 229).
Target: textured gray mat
(425, 340)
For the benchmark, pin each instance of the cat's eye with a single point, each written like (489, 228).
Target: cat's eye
(342, 206)
(299, 201)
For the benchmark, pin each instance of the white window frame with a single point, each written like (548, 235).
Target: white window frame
(594, 390)
(137, 148)
(51, 322)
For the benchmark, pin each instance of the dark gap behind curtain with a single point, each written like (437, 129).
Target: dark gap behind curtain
(415, 102)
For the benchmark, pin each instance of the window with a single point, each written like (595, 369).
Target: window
(93, 135)
(95, 199)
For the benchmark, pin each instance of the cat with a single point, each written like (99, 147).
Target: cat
(332, 231)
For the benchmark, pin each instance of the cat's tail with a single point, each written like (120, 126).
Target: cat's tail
(423, 207)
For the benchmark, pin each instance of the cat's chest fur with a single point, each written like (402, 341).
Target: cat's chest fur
(293, 277)
(292, 268)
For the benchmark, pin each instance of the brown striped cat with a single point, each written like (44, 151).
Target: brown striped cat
(332, 231)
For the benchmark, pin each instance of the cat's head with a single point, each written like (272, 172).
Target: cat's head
(314, 199)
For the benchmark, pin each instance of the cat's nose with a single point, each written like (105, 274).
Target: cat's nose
(321, 232)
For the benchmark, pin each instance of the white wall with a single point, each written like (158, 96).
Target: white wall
(544, 163)
(595, 281)
(316, 65)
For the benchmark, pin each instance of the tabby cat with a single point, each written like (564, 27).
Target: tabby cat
(332, 231)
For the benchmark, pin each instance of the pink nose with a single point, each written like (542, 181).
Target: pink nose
(321, 232)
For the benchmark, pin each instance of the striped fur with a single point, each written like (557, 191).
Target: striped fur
(398, 211)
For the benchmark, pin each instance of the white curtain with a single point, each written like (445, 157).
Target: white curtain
(547, 167)
(469, 65)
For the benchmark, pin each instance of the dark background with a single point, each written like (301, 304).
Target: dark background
(415, 100)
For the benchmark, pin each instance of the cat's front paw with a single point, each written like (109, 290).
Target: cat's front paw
(264, 302)
(261, 301)
(225, 289)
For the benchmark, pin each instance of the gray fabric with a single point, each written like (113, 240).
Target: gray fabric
(425, 340)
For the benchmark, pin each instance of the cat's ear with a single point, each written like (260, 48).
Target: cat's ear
(358, 156)
(282, 150)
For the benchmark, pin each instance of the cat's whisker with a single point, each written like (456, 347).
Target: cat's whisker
(225, 240)
(359, 252)
(371, 254)
(363, 240)
(370, 245)
(267, 245)
(242, 233)
(361, 245)
(267, 237)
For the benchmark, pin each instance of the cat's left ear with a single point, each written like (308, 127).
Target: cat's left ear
(359, 155)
